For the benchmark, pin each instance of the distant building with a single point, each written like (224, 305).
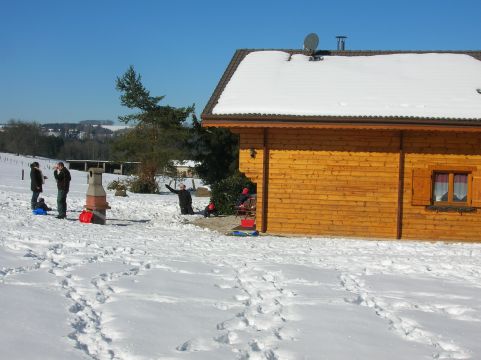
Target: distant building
(88, 129)
(53, 132)
(185, 168)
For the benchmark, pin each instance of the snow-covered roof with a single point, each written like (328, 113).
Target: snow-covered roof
(425, 85)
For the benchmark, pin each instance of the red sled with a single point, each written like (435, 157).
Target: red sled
(86, 217)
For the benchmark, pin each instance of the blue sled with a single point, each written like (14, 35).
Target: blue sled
(39, 212)
(245, 233)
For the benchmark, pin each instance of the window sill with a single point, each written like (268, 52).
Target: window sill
(450, 208)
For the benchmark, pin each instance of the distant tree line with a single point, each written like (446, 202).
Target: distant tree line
(27, 138)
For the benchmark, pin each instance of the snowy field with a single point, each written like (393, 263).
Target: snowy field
(149, 285)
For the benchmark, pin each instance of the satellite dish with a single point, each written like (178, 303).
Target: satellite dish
(310, 42)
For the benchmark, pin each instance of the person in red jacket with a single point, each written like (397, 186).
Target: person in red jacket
(210, 210)
(243, 197)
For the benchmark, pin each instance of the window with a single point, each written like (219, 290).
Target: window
(450, 188)
(447, 186)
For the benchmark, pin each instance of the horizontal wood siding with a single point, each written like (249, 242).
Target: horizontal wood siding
(333, 182)
(423, 151)
(252, 166)
(345, 182)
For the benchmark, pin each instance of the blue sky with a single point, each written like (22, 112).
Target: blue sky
(59, 59)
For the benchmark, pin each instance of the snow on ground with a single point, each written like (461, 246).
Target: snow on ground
(149, 285)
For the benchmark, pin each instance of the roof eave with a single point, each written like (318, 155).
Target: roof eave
(257, 120)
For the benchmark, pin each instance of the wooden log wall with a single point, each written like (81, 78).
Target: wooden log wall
(327, 182)
(444, 149)
(252, 166)
(345, 182)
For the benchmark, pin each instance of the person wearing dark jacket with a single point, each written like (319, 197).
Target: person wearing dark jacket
(185, 200)
(36, 182)
(42, 205)
(62, 175)
(210, 210)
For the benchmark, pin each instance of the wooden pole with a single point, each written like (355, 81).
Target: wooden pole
(23, 173)
(265, 180)
(400, 187)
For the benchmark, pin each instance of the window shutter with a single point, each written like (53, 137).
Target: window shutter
(422, 189)
(476, 190)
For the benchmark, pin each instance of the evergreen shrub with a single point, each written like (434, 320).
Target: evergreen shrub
(226, 192)
(143, 185)
(136, 185)
(117, 185)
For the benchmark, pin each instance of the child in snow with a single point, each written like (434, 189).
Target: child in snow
(210, 210)
(41, 205)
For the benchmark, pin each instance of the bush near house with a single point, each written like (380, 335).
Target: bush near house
(136, 185)
(225, 192)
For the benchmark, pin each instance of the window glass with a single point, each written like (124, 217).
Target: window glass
(441, 186)
(460, 187)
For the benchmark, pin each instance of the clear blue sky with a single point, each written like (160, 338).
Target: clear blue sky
(59, 59)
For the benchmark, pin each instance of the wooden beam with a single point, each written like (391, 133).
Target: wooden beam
(265, 180)
(400, 187)
(357, 126)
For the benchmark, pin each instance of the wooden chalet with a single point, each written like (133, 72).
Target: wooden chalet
(375, 144)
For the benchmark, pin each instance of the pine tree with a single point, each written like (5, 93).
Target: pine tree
(158, 136)
(217, 151)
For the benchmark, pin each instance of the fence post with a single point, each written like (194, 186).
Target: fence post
(23, 173)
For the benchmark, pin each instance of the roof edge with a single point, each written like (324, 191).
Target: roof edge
(341, 120)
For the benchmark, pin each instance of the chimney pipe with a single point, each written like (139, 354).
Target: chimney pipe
(341, 42)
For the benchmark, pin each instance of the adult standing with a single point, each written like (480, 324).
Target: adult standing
(62, 175)
(36, 182)
(185, 200)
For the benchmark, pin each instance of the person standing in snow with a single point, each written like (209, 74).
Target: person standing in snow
(36, 182)
(62, 175)
(185, 200)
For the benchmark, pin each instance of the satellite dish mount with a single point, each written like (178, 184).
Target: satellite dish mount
(310, 45)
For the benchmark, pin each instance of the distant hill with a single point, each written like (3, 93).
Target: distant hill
(59, 125)
(80, 124)
(96, 122)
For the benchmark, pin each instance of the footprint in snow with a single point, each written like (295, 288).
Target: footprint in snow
(196, 344)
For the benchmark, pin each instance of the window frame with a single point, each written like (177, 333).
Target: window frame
(422, 188)
(451, 173)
